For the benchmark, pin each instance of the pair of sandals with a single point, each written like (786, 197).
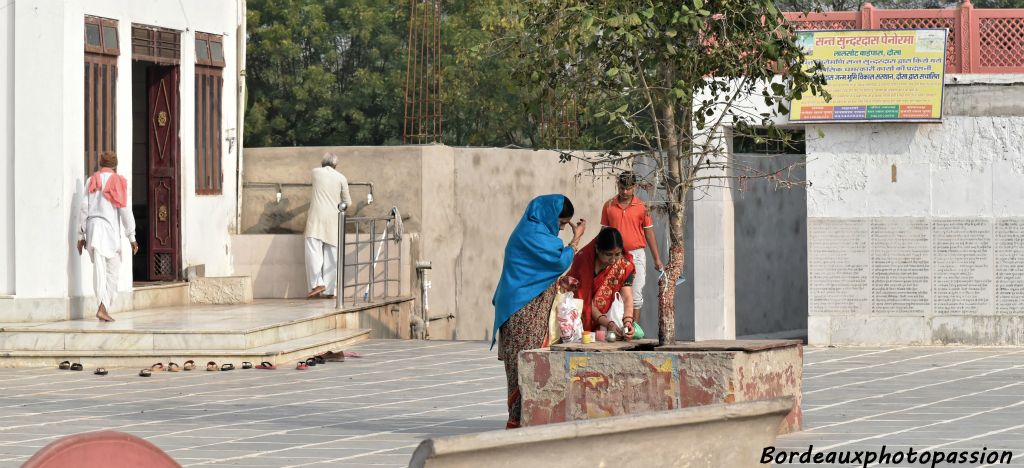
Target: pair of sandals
(313, 361)
(67, 365)
(159, 367)
(212, 366)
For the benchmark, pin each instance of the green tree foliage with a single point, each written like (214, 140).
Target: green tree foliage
(666, 77)
(325, 72)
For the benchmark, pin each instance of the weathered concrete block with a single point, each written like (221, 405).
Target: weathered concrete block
(223, 290)
(560, 386)
(714, 436)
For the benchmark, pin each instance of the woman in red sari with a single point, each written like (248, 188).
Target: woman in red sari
(602, 269)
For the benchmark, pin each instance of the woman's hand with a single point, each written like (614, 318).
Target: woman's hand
(568, 283)
(578, 229)
(630, 330)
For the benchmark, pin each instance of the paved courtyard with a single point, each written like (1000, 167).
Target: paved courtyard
(373, 411)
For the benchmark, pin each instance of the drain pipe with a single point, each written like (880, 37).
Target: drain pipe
(421, 272)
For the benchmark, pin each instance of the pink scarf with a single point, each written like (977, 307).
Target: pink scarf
(116, 191)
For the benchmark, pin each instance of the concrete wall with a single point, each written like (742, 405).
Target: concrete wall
(47, 133)
(7, 149)
(770, 226)
(914, 230)
(459, 206)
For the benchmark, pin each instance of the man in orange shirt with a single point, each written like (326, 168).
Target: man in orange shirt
(627, 213)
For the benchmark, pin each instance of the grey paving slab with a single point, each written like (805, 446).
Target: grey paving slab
(373, 411)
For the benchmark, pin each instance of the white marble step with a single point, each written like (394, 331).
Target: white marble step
(190, 327)
(282, 354)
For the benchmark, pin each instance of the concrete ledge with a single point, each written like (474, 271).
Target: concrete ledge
(221, 290)
(559, 386)
(715, 435)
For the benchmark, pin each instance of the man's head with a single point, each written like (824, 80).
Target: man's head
(108, 159)
(627, 185)
(329, 160)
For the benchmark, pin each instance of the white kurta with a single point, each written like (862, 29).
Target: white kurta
(98, 224)
(329, 189)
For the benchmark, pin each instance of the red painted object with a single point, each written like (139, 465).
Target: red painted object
(103, 449)
(981, 40)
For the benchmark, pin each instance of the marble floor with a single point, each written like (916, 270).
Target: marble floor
(257, 316)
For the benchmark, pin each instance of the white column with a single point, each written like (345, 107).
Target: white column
(7, 150)
(714, 264)
(41, 158)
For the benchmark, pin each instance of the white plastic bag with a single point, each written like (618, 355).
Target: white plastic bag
(569, 324)
(617, 311)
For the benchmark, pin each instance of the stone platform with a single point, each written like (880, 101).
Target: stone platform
(278, 331)
(576, 381)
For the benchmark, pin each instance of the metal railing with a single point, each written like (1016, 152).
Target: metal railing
(376, 236)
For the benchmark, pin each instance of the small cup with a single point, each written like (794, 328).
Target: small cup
(588, 338)
(599, 335)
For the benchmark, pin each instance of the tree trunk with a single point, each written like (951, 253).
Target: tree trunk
(676, 212)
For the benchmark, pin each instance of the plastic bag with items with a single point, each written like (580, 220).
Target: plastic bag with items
(570, 326)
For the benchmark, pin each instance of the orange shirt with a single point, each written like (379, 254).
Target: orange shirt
(630, 220)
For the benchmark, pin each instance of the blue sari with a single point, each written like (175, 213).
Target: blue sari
(534, 258)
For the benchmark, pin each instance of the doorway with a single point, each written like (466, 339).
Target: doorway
(156, 171)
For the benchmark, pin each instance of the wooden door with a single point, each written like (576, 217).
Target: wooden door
(164, 174)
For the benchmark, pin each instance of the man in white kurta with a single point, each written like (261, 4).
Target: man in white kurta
(104, 211)
(330, 188)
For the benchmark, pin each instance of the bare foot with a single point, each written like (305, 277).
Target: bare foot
(103, 315)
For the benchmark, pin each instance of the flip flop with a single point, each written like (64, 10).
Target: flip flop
(310, 362)
(302, 366)
(246, 365)
(266, 365)
(158, 367)
(65, 365)
(145, 373)
(315, 292)
(100, 371)
(211, 366)
(189, 365)
(227, 367)
(76, 366)
(320, 359)
(173, 367)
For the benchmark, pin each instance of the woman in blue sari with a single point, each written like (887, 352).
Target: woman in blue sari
(534, 259)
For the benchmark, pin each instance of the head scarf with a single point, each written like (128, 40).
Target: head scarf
(534, 258)
(598, 290)
(116, 189)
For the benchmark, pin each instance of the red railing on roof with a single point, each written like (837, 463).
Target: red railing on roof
(980, 40)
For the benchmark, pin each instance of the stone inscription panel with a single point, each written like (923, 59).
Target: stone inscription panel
(962, 271)
(916, 266)
(1009, 266)
(900, 264)
(838, 262)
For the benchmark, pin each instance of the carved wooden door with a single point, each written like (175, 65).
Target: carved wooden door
(164, 174)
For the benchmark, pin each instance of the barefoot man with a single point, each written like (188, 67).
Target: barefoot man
(99, 229)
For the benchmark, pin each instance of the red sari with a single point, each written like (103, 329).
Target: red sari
(598, 290)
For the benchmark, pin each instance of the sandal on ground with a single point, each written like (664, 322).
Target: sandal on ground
(319, 359)
(246, 365)
(145, 373)
(76, 366)
(310, 362)
(189, 365)
(212, 366)
(173, 367)
(100, 371)
(331, 356)
(266, 365)
(302, 365)
(65, 365)
(227, 367)
(315, 292)
(157, 367)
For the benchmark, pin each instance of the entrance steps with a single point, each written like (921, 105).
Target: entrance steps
(278, 331)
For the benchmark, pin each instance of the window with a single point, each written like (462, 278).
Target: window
(154, 44)
(209, 97)
(762, 141)
(100, 80)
